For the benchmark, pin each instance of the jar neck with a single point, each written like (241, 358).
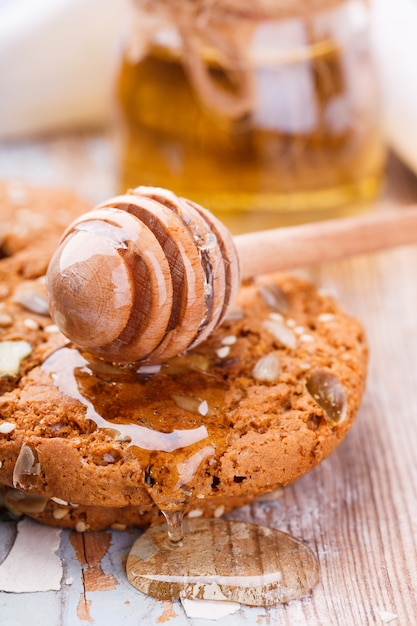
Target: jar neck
(204, 11)
(219, 30)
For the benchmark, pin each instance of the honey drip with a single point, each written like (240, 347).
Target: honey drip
(209, 559)
(175, 526)
(172, 449)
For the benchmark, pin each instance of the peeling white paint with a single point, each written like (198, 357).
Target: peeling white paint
(32, 564)
(209, 609)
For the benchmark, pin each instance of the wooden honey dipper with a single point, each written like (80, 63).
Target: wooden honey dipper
(147, 275)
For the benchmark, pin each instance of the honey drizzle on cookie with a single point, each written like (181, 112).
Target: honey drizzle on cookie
(173, 451)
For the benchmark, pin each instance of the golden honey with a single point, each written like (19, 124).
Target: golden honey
(171, 449)
(307, 145)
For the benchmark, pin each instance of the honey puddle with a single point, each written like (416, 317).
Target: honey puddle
(224, 561)
(204, 558)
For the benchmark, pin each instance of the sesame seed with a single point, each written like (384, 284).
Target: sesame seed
(203, 408)
(59, 501)
(218, 512)
(325, 317)
(229, 340)
(30, 324)
(149, 369)
(51, 328)
(223, 352)
(276, 316)
(60, 513)
(281, 333)
(118, 526)
(267, 368)
(5, 320)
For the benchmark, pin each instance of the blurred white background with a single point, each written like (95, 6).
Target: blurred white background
(56, 65)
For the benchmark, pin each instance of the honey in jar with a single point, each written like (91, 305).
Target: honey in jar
(265, 112)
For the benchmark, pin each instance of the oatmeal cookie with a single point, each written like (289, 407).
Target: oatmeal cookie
(89, 445)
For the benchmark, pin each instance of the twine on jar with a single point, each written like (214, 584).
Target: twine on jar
(223, 27)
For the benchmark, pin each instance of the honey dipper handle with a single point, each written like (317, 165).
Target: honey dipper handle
(318, 242)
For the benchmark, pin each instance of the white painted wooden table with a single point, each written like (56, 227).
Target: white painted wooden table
(357, 510)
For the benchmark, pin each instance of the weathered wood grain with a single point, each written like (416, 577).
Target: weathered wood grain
(357, 510)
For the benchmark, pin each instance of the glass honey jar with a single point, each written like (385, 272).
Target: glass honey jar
(264, 111)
